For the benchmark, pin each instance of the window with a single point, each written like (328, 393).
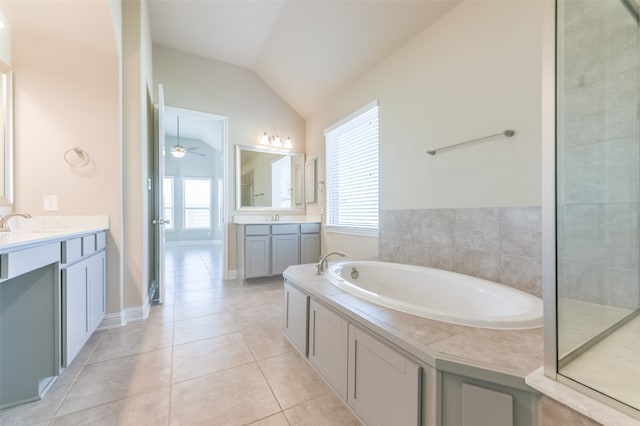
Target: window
(167, 201)
(197, 203)
(352, 173)
(281, 182)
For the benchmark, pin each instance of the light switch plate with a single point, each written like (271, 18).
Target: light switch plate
(50, 203)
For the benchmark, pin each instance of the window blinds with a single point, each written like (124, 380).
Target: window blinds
(352, 171)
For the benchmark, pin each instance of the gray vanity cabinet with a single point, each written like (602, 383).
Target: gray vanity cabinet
(265, 250)
(257, 251)
(328, 344)
(83, 291)
(284, 247)
(75, 326)
(384, 385)
(296, 318)
(309, 242)
(96, 277)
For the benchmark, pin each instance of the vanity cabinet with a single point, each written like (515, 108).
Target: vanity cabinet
(309, 242)
(296, 317)
(266, 250)
(285, 249)
(83, 291)
(328, 344)
(29, 322)
(257, 251)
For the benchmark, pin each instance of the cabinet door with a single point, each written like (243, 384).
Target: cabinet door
(296, 317)
(75, 328)
(284, 252)
(328, 343)
(309, 248)
(384, 386)
(96, 288)
(256, 256)
(470, 401)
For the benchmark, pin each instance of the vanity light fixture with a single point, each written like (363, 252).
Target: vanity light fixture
(275, 141)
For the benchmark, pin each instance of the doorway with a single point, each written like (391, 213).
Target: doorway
(191, 202)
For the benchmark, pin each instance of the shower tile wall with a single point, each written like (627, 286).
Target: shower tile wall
(498, 244)
(598, 156)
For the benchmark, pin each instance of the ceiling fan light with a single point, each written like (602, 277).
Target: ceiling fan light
(288, 144)
(178, 153)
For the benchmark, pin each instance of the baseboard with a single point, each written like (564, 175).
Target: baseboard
(137, 313)
(231, 274)
(112, 321)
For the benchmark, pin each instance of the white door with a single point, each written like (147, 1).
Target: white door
(159, 219)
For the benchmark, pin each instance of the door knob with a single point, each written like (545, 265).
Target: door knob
(161, 221)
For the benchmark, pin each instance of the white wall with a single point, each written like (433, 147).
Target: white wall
(66, 95)
(475, 72)
(200, 84)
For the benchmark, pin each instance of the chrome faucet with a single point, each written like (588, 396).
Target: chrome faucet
(323, 264)
(4, 220)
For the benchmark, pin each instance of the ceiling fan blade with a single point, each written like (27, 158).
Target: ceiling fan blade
(197, 153)
(189, 148)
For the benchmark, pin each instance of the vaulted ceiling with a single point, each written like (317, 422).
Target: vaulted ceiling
(305, 50)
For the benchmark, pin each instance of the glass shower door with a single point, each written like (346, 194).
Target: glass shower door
(598, 196)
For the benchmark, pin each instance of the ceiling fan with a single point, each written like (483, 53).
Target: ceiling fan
(179, 151)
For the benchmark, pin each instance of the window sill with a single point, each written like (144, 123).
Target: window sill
(352, 230)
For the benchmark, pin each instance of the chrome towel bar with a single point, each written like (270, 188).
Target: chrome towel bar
(507, 133)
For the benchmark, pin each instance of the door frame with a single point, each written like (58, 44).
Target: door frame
(224, 120)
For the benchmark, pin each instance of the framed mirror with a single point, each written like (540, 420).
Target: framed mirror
(6, 131)
(268, 179)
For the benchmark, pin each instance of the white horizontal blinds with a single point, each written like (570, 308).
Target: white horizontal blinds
(352, 172)
(197, 203)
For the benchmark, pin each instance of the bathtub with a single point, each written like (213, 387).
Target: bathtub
(438, 294)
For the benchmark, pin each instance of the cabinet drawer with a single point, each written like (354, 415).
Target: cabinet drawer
(309, 228)
(71, 250)
(257, 230)
(88, 245)
(22, 261)
(288, 228)
(101, 241)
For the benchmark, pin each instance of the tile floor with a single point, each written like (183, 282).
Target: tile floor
(213, 354)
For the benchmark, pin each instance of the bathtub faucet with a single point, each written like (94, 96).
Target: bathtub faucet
(323, 264)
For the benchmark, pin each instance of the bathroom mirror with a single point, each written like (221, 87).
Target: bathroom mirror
(6, 151)
(268, 179)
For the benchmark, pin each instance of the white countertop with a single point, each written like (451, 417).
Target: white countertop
(268, 220)
(43, 229)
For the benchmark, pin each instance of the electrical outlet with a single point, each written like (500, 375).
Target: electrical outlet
(50, 203)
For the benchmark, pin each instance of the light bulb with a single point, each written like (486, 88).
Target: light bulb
(277, 142)
(265, 139)
(288, 144)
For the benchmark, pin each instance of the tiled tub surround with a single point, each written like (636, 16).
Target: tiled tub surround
(506, 355)
(501, 244)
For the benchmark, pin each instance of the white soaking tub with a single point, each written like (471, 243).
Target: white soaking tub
(438, 294)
